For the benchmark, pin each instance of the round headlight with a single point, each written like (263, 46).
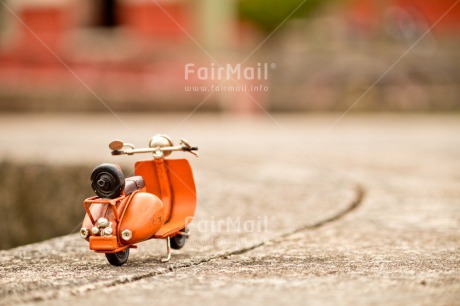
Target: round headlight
(95, 230)
(161, 140)
(102, 222)
(108, 231)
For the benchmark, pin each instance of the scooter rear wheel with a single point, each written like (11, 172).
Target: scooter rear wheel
(119, 258)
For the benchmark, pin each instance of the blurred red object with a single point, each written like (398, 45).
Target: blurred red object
(368, 16)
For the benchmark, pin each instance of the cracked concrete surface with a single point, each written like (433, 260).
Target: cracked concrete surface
(365, 214)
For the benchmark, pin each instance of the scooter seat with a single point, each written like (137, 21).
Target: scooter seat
(134, 183)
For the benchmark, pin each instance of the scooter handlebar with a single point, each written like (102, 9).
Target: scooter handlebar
(153, 150)
(184, 148)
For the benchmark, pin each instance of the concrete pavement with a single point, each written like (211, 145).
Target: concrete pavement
(365, 213)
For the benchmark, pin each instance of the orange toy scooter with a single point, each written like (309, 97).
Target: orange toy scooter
(158, 203)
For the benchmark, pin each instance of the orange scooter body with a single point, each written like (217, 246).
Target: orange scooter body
(158, 203)
(144, 217)
(161, 209)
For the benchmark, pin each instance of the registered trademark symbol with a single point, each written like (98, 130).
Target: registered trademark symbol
(273, 66)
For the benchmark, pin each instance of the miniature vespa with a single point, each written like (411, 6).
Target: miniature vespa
(158, 203)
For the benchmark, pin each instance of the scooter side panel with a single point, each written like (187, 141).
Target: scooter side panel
(143, 217)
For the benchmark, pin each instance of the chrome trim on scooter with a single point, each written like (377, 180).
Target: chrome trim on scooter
(102, 222)
(168, 250)
(95, 230)
(84, 233)
(108, 231)
(126, 235)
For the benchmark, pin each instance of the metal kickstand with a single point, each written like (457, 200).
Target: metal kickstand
(168, 250)
(184, 232)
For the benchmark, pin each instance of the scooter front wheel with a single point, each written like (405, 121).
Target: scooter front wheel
(119, 258)
(178, 241)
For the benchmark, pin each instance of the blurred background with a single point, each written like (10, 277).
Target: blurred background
(132, 54)
(67, 67)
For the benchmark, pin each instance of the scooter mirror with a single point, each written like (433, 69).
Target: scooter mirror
(185, 143)
(116, 145)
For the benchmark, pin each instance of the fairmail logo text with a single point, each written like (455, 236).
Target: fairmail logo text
(236, 72)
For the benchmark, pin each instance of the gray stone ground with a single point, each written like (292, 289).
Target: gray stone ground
(364, 213)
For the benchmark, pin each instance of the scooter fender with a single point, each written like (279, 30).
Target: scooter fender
(143, 217)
